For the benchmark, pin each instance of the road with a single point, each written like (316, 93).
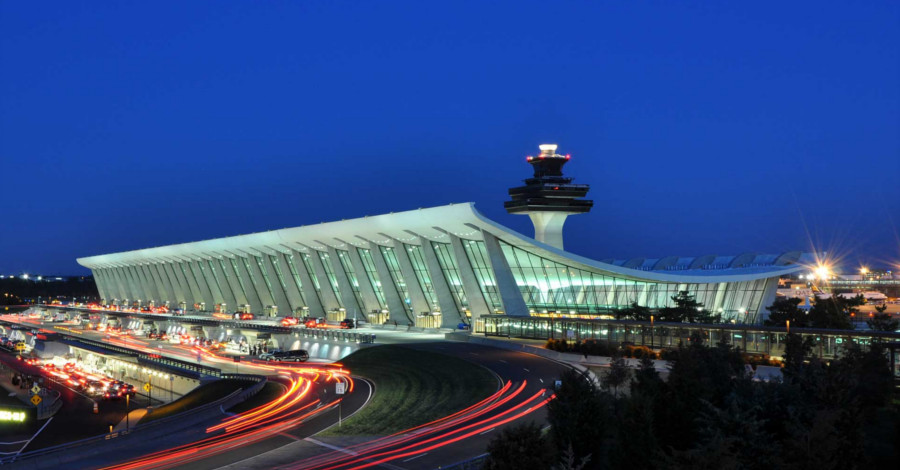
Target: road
(525, 382)
(280, 439)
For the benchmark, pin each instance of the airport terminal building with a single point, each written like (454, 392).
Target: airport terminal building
(434, 267)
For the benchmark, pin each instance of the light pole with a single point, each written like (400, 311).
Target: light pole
(651, 332)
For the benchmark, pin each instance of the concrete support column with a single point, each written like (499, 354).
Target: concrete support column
(100, 282)
(396, 304)
(344, 288)
(153, 287)
(291, 290)
(209, 299)
(252, 292)
(130, 286)
(124, 285)
(167, 283)
(329, 300)
(183, 267)
(158, 285)
(450, 314)
(310, 293)
(285, 308)
(139, 291)
(186, 292)
(416, 294)
(119, 283)
(182, 292)
(513, 302)
(219, 280)
(366, 290)
(231, 279)
(211, 281)
(266, 296)
(477, 303)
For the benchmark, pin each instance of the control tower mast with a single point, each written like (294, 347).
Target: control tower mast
(548, 197)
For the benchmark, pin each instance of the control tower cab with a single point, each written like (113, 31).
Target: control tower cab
(549, 197)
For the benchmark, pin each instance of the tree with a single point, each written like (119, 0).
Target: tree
(797, 351)
(882, 321)
(517, 447)
(787, 309)
(617, 375)
(580, 417)
(634, 312)
(832, 313)
(687, 309)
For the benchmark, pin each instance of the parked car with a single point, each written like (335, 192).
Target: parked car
(296, 355)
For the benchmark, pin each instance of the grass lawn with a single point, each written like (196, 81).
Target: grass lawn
(199, 396)
(270, 392)
(412, 387)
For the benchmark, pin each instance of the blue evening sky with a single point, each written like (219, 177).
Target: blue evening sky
(703, 127)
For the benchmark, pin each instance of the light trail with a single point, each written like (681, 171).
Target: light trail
(438, 438)
(491, 403)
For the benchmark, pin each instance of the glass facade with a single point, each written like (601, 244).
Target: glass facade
(196, 295)
(278, 274)
(346, 263)
(307, 261)
(390, 259)
(289, 258)
(215, 276)
(369, 264)
(478, 258)
(444, 252)
(548, 287)
(418, 263)
(233, 273)
(250, 275)
(201, 281)
(329, 271)
(265, 275)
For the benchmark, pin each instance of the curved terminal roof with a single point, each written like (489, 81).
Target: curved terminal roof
(464, 221)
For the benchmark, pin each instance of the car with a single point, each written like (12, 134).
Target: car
(246, 316)
(296, 355)
(289, 321)
(95, 388)
(347, 323)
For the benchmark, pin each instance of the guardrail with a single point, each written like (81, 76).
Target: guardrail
(336, 335)
(329, 334)
(48, 410)
(156, 359)
(164, 425)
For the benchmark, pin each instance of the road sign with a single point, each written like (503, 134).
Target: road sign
(35, 390)
(147, 387)
(36, 399)
(339, 388)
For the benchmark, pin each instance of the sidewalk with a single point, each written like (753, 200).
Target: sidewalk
(23, 394)
(132, 420)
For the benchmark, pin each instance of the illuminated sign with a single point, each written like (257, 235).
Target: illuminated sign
(15, 416)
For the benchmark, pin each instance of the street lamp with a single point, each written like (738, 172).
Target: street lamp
(651, 332)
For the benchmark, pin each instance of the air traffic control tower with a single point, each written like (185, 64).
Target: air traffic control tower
(549, 197)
